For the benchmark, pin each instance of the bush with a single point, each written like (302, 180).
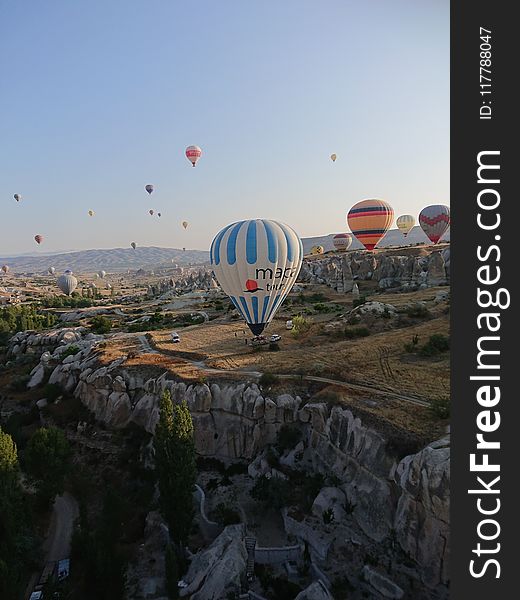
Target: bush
(441, 408)
(70, 351)
(100, 325)
(352, 333)
(322, 308)
(225, 515)
(417, 311)
(300, 325)
(412, 346)
(51, 391)
(268, 379)
(287, 438)
(359, 301)
(436, 344)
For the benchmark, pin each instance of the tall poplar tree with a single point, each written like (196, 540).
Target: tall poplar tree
(175, 465)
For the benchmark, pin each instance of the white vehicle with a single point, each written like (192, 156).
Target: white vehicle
(176, 338)
(289, 324)
(275, 338)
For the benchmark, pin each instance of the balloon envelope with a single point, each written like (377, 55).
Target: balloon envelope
(185, 224)
(256, 263)
(51, 270)
(90, 213)
(317, 250)
(133, 244)
(38, 239)
(369, 220)
(405, 223)
(151, 211)
(342, 241)
(67, 283)
(17, 197)
(101, 274)
(434, 221)
(5, 269)
(193, 153)
(333, 157)
(149, 188)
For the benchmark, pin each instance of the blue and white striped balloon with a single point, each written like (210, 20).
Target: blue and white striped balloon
(256, 263)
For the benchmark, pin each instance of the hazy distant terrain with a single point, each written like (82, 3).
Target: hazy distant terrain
(121, 259)
(116, 259)
(393, 238)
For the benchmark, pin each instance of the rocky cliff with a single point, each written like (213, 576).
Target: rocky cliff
(410, 272)
(399, 501)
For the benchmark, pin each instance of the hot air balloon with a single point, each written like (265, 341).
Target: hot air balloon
(38, 238)
(434, 221)
(158, 214)
(134, 245)
(333, 157)
(149, 188)
(67, 283)
(342, 241)
(17, 197)
(67, 272)
(193, 153)
(369, 220)
(317, 250)
(51, 270)
(256, 263)
(5, 269)
(405, 223)
(185, 224)
(151, 211)
(102, 274)
(90, 213)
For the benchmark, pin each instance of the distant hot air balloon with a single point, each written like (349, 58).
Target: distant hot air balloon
(193, 153)
(158, 214)
(67, 283)
(67, 272)
(405, 223)
(17, 197)
(317, 250)
(151, 211)
(434, 221)
(102, 274)
(109, 287)
(333, 157)
(369, 220)
(38, 238)
(149, 188)
(256, 263)
(90, 213)
(185, 224)
(134, 245)
(342, 241)
(51, 270)
(184, 249)
(5, 269)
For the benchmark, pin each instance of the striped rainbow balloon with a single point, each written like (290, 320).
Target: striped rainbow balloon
(369, 220)
(256, 263)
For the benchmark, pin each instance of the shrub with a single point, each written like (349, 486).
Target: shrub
(436, 344)
(100, 325)
(268, 379)
(300, 325)
(441, 408)
(412, 346)
(328, 516)
(322, 308)
(287, 438)
(225, 515)
(359, 301)
(70, 351)
(52, 391)
(417, 311)
(352, 333)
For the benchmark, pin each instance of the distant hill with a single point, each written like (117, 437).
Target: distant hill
(393, 238)
(122, 259)
(111, 260)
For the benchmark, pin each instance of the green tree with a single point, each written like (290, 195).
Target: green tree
(47, 459)
(8, 464)
(172, 573)
(175, 465)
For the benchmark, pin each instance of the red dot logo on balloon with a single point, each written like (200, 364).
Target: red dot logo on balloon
(252, 286)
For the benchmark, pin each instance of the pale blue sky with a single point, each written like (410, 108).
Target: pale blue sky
(100, 97)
